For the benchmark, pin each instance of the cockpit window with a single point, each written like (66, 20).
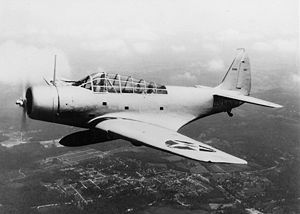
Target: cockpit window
(85, 83)
(115, 83)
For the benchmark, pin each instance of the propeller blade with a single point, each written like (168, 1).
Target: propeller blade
(24, 118)
(22, 103)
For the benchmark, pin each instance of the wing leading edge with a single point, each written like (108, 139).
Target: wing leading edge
(167, 140)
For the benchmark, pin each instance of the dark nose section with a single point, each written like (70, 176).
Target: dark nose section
(29, 100)
(42, 102)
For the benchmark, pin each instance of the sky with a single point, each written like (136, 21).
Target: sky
(170, 41)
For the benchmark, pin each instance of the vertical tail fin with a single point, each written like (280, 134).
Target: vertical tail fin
(238, 76)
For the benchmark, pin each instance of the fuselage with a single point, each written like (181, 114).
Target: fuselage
(77, 106)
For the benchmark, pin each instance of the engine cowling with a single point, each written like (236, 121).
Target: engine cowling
(42, 102)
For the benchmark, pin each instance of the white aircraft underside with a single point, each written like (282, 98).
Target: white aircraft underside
(141, 112)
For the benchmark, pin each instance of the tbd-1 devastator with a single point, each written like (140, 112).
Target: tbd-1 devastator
(113, 106)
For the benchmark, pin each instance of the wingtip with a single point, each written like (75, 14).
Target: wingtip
(238, 161)
(227, 159)
(274, 105)
(278, 106)
(242, 162)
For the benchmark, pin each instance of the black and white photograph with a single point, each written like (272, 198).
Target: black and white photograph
(149, 107)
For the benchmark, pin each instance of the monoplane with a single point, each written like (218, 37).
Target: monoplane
(113, 106)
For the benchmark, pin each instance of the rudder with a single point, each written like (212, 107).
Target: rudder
(238, 76)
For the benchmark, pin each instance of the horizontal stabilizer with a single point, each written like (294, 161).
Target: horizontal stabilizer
(246, 99)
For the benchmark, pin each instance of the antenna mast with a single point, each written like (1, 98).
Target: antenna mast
(54, 74)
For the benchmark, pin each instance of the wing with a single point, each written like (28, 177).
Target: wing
(166, 139)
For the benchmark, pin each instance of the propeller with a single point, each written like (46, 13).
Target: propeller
(24, 117)
(22, 102)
